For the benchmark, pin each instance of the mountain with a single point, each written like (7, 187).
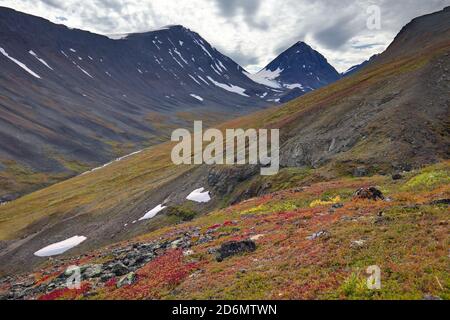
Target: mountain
(356, 68)
(71, 99)
(389, 118)
(299, 69)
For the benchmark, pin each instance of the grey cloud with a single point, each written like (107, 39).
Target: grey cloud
(237, 55)
(337, 34)
(367, 46)
(230, 8)
(248, 8)
(54, 3)
(256, 30)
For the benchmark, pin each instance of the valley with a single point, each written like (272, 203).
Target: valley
(364, 180)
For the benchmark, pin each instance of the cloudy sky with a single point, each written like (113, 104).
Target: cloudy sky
(252, 32)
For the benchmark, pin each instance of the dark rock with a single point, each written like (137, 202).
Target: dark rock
(370, 193)
(106, 276)
(7, 198)
(382, 220)
(440, 202)
(4, 296)
(360, 172)
(119, 269)
(397, 176)
(232, 248)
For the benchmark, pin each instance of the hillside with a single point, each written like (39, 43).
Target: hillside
(72, 100)
(390, 117)
(311, 242)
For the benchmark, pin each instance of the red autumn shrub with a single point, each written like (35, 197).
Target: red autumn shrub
(162, 274)
(66, 293)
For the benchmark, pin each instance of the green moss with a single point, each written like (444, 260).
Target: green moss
(427, 181)
(253, 286)
(183, 213)
(355, 287)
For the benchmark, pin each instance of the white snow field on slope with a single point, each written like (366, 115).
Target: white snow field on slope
(116, 160)
(39, 59)
(20, 64)
(60, 247)
(196, 97)
(152, 213)
(266, 77)
(230, 88)
(199, 196)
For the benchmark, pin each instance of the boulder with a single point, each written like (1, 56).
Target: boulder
(360, 172)
(127, 280)
(93, 271)
(119, 269)
(397, 176)
(440, 202)
(370, 193)
(319, 234)
(232, 248)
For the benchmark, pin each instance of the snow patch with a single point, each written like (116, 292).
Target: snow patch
(179, 54)
(60, 247)
(170, 52)
(152, 213)
(230, 88)
(196, 97)
(199, 196)
(194, 80)
(84, 71)
(20, 64)
(109, 163)
(117, 36)
(203, 80)
(204, 49)
(221, 64)
(40, 60)
(266, 77)
(294, 85)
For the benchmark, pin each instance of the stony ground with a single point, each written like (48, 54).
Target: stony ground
(309, 242)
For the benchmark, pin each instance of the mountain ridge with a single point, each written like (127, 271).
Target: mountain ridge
(390, 118)
(72, 99)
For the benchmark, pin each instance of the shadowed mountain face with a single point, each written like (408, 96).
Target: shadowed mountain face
(70, 99)
(356, 68)
(299, 70)
(391, 116)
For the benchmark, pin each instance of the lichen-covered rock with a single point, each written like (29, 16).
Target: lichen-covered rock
(127, 280)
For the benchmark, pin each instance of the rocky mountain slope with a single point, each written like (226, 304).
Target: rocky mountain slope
(299, 69)
(71, 100)
(358, 67)
(389, 118)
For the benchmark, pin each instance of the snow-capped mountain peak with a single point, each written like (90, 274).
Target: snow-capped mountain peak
(299, 68)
